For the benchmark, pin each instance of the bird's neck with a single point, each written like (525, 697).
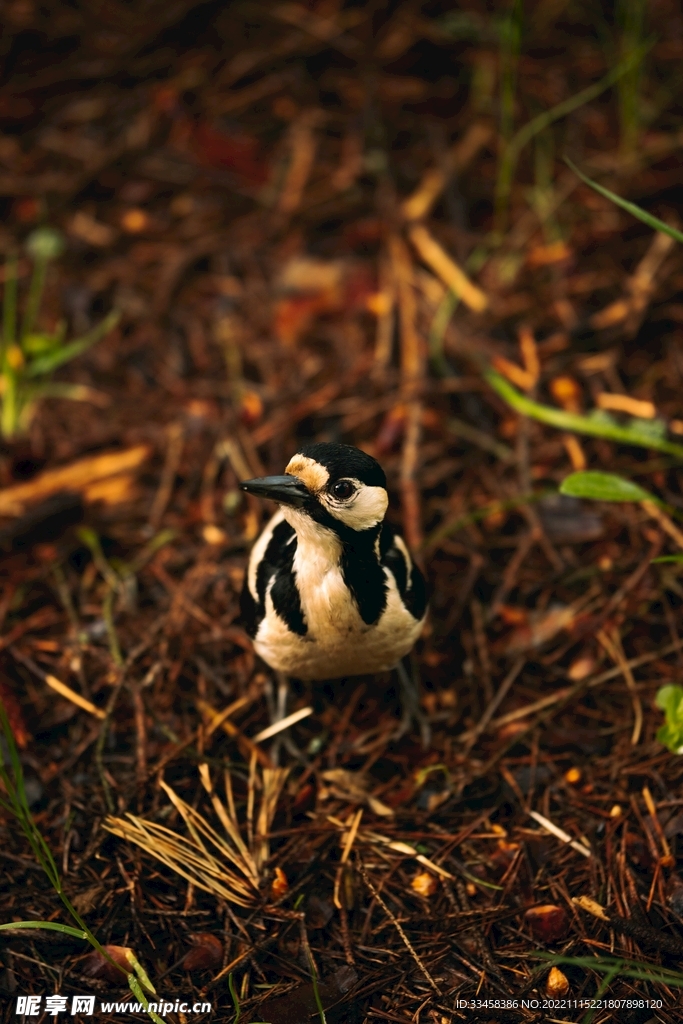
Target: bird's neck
(326, 547)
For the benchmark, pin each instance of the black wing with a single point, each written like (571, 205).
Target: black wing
(409, 580)
(276, 561)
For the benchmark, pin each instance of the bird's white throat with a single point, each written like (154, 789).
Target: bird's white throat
(325, 598)
(318, 549)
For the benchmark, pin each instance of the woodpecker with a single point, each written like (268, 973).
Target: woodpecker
(331, 589)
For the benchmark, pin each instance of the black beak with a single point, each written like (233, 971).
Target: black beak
(287, 490)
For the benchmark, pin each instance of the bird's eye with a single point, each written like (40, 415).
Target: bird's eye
(343, 489)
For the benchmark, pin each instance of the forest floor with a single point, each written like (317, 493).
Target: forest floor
(304, 216)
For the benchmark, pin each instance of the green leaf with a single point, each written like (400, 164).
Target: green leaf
(603, 487)
(667, 559)
(50, 926)
(48, 362)
(636, 211)
(670, 699)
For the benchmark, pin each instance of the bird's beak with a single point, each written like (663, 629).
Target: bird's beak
(287, 489)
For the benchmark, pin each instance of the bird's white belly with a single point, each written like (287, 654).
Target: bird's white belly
(338, 642)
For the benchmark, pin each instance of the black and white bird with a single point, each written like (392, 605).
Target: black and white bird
(331, 589)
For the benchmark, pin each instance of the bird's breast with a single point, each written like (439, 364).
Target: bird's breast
(326, 600)
(337, 641)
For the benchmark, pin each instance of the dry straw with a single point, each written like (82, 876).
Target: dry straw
(227, 866)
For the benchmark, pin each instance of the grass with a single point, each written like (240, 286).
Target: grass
(234, 997)
(316, 995)
(316, 992)
(615, 967)
(510, 32)
(440, 321)
(542, 195)
(447, 529)
(29, 357)
(118, 577)
(599, 486)
(15, 803)
(641, 433)
(513, 148)
(635, 211)
(630, 15)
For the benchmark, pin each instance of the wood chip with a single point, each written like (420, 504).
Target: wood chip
(624, 403)
(75, 698)
(445, 267)
(76, 476)
(554, 830)
(280, 726)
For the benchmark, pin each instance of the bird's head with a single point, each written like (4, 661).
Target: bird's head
(332, 485)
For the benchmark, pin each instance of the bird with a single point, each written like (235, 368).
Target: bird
(331, 589)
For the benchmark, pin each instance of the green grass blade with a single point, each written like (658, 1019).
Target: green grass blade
(136, 989)
(49, 926)
(574, 422)
(452, 526)
(635, 211)
(597, 486)
(667, 559)
(140, 560)
(437, 330)
(635, 969)
(235, 1000)
(460, 428)
(316, 992)
(31, 393)
(630, 15)
(543, 120)
(45, 364)
(10, 405)
(510, 32)
(35, 295)
(572, 103)
(140, 972)
(18, 805)
(9, 304)
(602, 988)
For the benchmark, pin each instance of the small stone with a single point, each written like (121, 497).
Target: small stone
(134, 221)
(214, 535)
(206, 953)
(279, 885)
(548, 923)
(557, 984)
(424, 884)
